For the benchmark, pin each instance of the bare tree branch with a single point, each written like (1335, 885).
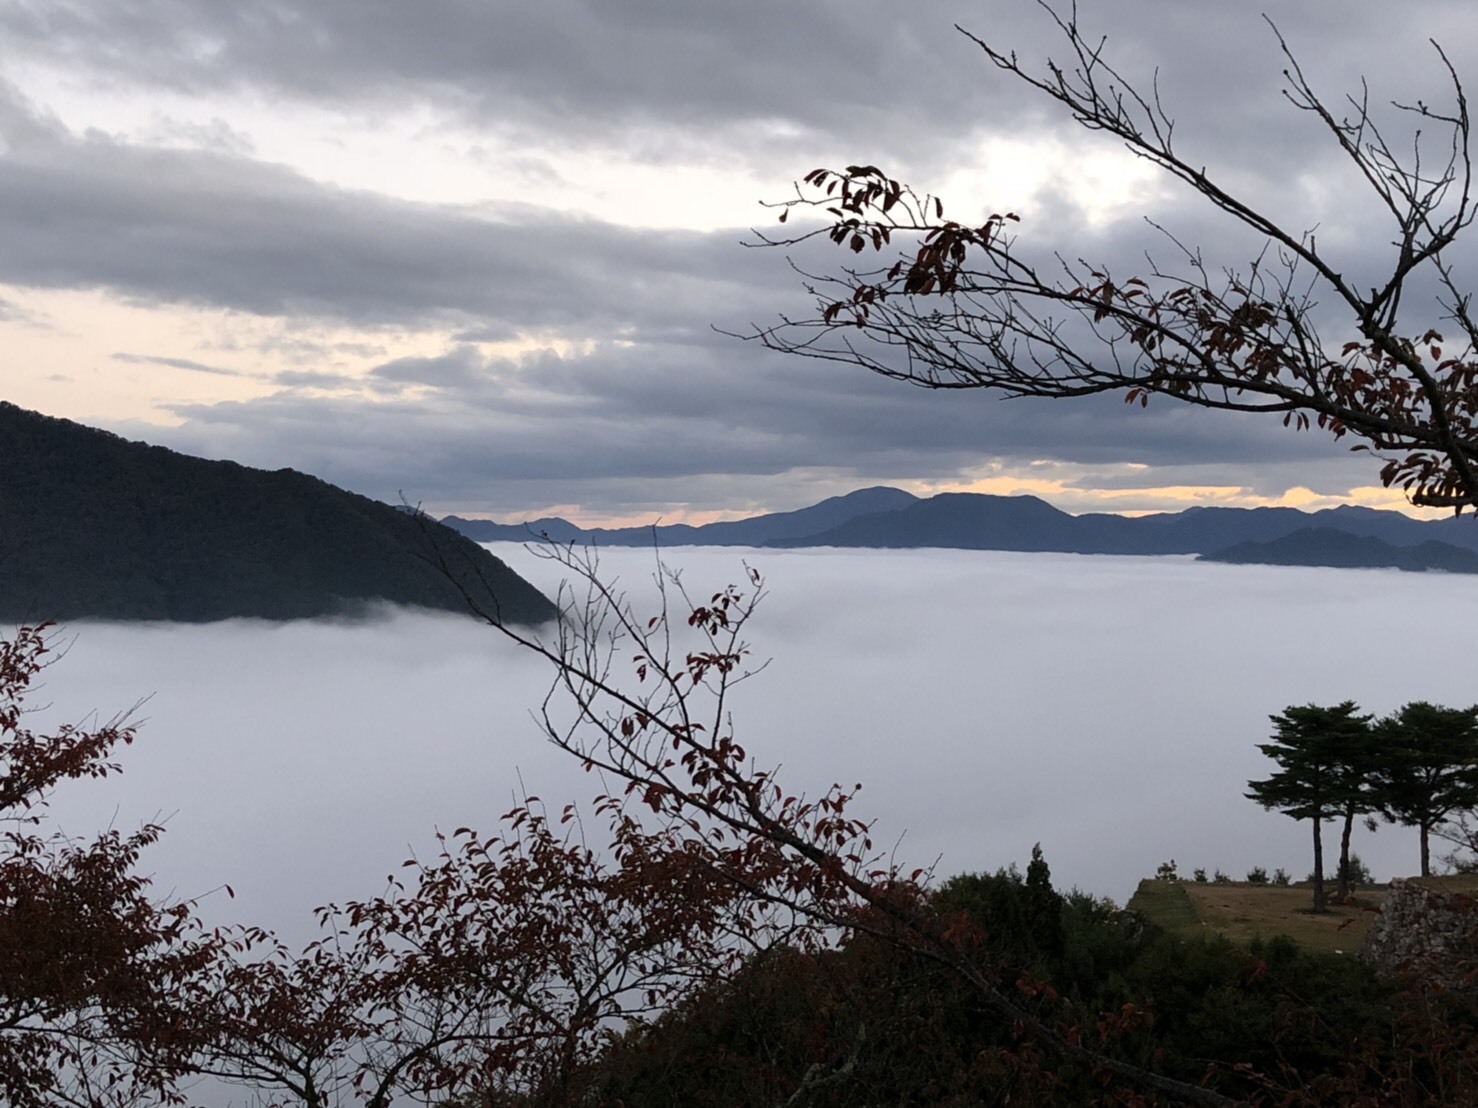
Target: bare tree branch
(966, 307)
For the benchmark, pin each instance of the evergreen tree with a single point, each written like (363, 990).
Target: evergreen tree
(1323, 773)
(1429, 767)
(1360, 761)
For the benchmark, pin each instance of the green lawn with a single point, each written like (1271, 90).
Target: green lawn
(1243, 912)
(1167, 904)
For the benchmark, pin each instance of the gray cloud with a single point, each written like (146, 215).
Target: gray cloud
(11, 312)
(864, 71)
(177, 363)
(311, 379)
(642, 429)
(662, 398)
(659, 403)
(192, 227)
(461, 368)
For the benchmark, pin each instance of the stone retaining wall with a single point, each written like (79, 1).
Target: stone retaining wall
(1425, 929)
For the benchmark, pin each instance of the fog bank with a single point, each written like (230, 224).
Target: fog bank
(1106, 707)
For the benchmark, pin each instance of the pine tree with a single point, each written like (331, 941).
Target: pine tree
(1322, 754)
(1429, 760)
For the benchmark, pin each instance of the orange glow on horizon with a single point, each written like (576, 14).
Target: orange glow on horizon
(1150, 499)
(1075, 501)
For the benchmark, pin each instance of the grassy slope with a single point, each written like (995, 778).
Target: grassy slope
(1242, 912)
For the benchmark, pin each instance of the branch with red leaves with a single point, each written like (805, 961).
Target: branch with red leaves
(804, 865)
(90, 965)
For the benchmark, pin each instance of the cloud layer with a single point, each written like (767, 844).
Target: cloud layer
(1107, 707)
(551, 344)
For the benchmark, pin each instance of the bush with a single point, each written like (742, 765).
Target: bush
(1257, 876)
(1359, 871)
(1281, 876)
(1220, 878)
(1200, 876)
(1023, 916)
(1166, 872)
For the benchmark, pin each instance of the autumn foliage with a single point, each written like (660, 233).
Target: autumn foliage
(91, 967)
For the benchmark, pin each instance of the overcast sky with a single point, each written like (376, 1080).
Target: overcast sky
(473, 251)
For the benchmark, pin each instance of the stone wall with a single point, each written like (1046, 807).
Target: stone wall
(1426, 929)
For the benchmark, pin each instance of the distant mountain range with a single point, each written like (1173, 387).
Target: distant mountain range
(1325, 546)
(891, 518)
(92, 525)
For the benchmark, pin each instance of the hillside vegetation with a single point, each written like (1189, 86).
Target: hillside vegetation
(95, 526)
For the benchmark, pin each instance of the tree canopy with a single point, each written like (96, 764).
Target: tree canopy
(1417, 766)
(1428, 767)
(1320, 752)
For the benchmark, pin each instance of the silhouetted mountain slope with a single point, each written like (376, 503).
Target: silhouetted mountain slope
(891, 518)
(782, 526)
(550, 527)
(961, 520)
(762, 530)
(92, 525)
(980, 522)
(1198, 530)
(1325, 546)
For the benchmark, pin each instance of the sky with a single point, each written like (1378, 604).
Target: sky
(480, 255)
(1108, 708)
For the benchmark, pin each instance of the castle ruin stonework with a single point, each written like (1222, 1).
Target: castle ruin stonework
(1427, 930)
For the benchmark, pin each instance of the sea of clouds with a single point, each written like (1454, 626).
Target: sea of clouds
(1106, 707)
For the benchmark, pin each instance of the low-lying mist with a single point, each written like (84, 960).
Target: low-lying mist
(1107, 708)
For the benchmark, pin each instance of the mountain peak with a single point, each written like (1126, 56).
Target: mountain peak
(886, 517)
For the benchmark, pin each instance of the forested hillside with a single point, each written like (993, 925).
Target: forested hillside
(92, 525)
